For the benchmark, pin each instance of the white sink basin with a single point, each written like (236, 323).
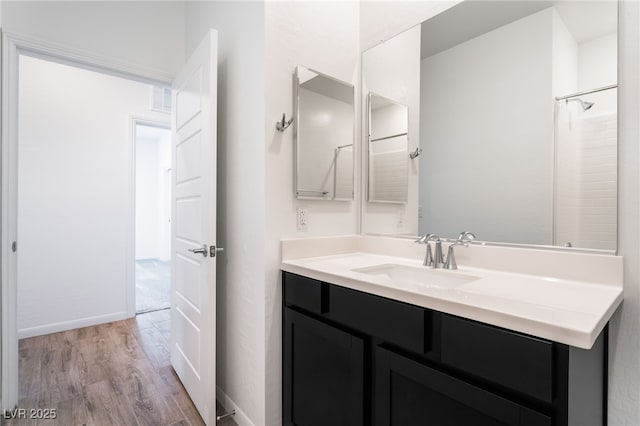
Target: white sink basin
(418, 277)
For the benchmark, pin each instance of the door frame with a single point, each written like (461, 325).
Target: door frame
(136, 120)
(14, 45)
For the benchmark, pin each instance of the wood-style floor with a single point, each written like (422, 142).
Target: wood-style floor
(110, 374)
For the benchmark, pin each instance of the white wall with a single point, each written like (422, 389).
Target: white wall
(480, 123)
(153, 229)
(147, 219)
(75, 158)
(624, 339)
(392, 70)
(564, 58)
(147, 34)
(164, 196)
(598, 62)
(240, 334)
(323, 36)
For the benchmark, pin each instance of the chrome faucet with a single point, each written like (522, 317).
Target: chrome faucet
(438, 260)
(451, 259)
(429, 259)
(464, 239)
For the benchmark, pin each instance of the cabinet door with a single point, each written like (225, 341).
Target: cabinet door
(323, 373)
(410, 393)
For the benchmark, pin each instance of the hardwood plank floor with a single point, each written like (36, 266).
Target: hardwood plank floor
(117, 373)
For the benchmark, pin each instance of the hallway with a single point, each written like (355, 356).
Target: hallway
(117, 373)
(153, 285)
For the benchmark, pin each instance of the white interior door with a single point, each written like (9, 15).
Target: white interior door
(9, 221)
(193, 324)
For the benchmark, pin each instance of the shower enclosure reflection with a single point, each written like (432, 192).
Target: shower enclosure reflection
(585, 202)
(388, 150)
(324, 136)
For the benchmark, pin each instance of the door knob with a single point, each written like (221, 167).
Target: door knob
(203, 251)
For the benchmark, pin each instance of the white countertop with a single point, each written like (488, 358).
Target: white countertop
(568, 311)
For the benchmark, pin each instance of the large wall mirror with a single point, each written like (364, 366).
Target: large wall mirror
(324, 136)
(514, 106)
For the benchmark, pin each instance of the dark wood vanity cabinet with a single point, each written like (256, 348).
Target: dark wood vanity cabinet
(409, 392)
(352, 358)
(325, 373)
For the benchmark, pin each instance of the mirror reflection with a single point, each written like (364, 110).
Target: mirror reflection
(516, 115)
(324, 137)
(388, 153)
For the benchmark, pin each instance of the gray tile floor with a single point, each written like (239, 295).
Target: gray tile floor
(153, 281)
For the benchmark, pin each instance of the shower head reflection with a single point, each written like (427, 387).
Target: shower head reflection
(583, 104)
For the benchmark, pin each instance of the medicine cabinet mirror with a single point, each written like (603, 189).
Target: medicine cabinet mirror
(324, 136)
(513, 105)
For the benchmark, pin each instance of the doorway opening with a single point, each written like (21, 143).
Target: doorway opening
(83, 184)
(153, 217)
(76, 177)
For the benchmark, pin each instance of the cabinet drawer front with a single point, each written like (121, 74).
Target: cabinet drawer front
(410, 393)
(395, 322)
(509, 359)
(303, 292)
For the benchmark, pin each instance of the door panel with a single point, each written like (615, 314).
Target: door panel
(188, 271)
(194, 208)
(188, 156)
(188, 341)
(189, 97)
(187, 217)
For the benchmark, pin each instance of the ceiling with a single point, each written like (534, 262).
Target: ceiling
(325, 85)
(586, 20)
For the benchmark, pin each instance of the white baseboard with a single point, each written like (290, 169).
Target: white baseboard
(70, 325)
(240, 418)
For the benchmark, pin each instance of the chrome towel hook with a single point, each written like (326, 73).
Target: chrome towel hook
(282, 125)
(415, 154)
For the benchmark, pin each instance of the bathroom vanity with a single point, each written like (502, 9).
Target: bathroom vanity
(365, 346)
(519, 334)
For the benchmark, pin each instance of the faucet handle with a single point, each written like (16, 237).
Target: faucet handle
(466, 236)
(428, 257)
(426, 238)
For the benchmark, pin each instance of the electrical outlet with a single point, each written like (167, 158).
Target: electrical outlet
(303, 219)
